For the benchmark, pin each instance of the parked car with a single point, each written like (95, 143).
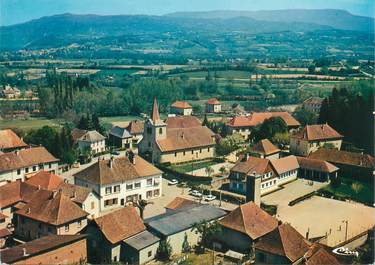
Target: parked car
(209, 198)
(116, 153)
(173, 182)
(195, 193)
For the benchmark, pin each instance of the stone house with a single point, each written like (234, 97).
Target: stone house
(20, 164)
(92, 141)
(244, 124)
(213, 106)
(181, 108)
(284, 245)
(136, 128)
(175, 225)
(106, 236)
(122, 180)
(244, 226)
(51, 249)
(9, 141)
(313, 104)
(120, 138)
(314, 137)
(176, 140)
(49, 213)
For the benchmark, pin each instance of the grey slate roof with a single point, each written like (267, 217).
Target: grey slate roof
(169, 224)
(120, 132)
(142, 240)
(92, 136)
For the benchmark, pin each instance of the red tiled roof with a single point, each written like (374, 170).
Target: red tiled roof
(253, 164)
(179, 203)
(257, 118)
(285, 164)
(317, 132)
(251, 220)
(4, 233)
(344, 157)
(318, 255)
(45, 180)
(155, 117)
(284, 241)
(8, 140)
(120, 224)
(181, 105)
(77, 133)
(52, 208)
(3, 216)
(316, 164)
(15, 192)
(186, 138)
(121, 170)
(135, 127)
(37, 246)
(213, 101)
(265, 147)
(182, 122)
(24, 158)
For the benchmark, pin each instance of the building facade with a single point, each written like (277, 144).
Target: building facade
(120, 138)
(213, 106)
(90, 141)
(181, 108)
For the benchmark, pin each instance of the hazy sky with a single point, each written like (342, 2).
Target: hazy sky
(16, 11)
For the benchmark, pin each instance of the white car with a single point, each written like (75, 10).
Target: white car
(209, 198)
(173, 182)
(196, 193)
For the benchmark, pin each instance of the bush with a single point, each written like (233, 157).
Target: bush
(164, 251)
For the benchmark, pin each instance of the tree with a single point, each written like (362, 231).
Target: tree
(305, 116)
(207, 232)
(311, 69)
(141, 205)
(269, 128)
(185, 245)
(223, 170)
(164, 250)
(209, 170)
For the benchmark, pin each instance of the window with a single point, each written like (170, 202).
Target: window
(137, 185)
(149, 254)
(18, 171)
(160, 130)
(200, 150)
(115, 258)
(27, 170)
(79, 223)
(34, 168)
(92, 205)
(50, 165)
(156, 193)
(108, 190)
(149, 182)
(175, 154)
(129, 186)
(184, 153)
(208, 149)
(122, 202)
(110, 202)
(67, 228)
(192, 152)
(116, 188)
(149, 194)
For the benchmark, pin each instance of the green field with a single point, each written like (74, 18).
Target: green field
(32, 123)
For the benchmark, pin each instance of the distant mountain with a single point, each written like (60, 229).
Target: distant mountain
(338, 19)
(59, 30)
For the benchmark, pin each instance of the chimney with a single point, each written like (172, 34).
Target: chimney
(28, 210)
(131, 157)
(17, 152)
(111, 162)
(24, 252)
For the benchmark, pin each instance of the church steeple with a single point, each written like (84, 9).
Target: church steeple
(155, 111)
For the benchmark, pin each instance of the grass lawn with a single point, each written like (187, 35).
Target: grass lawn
(364, 193)
(32, 123)
(119, 119)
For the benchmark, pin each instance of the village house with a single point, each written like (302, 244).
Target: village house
(244, 226)
(284, 245)
(357, 165)
(181, 108)
(177, 225)
(213, 106)
(286, 169)
(120, 137)
(265, 149)
(47, 213)
(313, 137)
(84, 197)
(117, 237)
(252, 166)
(51, 249)
(10, 92)
(9, 141)
(122, 180)
(244, 124)
(5, 235)
(90, 141)
(179, 203)
(135, 128)
(319, 254)
(176, 140)
(21, 164)
(313, 104)
(316, 169)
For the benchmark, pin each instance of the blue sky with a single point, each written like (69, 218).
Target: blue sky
(17, 11)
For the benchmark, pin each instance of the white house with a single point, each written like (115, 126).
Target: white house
(20, 164)
(121, 181)
(89, 140)
(181, 108)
